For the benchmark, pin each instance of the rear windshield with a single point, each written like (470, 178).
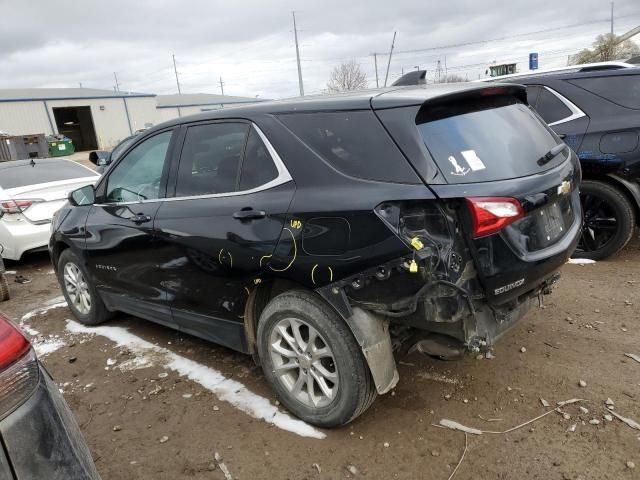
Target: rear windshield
(623, 90)
(486, 139)
(22, 173)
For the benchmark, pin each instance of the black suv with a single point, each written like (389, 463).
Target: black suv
(597, 113)
(317, 234)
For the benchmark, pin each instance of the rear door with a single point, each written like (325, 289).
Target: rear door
(487, 147)
(120, 248)
(218, 231)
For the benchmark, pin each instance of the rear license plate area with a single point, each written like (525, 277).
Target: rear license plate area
(550, 225)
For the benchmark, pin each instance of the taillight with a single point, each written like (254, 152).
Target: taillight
(15, 206)
(491, 214)
(18, 367)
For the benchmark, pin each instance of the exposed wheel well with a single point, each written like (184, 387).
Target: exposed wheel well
(259, 297)
(58, 248)
(621, 187)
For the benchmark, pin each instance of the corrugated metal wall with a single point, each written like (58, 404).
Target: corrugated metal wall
(19, 118)
(110, 121)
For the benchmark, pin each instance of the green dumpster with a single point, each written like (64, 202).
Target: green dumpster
(60, 148)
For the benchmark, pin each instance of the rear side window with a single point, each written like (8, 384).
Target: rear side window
(40, 171)
(352, 142)
(258, 167)
(210, 160)
(623, 90)
(551, 108)
(487, 139)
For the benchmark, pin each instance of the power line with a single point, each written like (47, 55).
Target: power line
(506, 37)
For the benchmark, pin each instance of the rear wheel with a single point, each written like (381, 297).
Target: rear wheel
(81, 295)
(312, 361)
(608, 220)
(4, 288)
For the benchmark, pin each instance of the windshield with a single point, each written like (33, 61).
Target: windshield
(492, 138)
(22, 173)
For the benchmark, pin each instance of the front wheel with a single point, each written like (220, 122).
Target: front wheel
(312, 360)
(82, 297)
(608, 220)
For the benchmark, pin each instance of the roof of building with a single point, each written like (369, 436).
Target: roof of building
(31, 94)
(202, 99)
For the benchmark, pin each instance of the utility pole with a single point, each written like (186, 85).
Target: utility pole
(221, 86)
(117, 86)
(375, 64)
(611, 19)
(393, 42)
(295, 35)
(176, 72)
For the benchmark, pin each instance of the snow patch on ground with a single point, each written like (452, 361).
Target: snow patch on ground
(57, 302)
(224, 388)
(45, 346)
(581, 261)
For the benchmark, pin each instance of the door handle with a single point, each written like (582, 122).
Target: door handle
(249, 214)
(140, 218)
(562, 135)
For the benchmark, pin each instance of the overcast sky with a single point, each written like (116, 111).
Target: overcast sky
(250, 43)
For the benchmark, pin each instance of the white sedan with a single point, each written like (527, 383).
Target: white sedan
(31, 191)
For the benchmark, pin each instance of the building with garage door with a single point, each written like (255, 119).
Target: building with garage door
(92, 118)
(180, 105)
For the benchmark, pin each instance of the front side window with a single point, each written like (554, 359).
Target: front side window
(210, 160)
(137, 176)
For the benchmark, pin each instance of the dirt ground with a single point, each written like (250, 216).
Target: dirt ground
(584, 330)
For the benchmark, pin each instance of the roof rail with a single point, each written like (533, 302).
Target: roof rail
(585, 67)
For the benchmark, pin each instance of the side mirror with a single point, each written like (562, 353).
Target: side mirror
(100, 158)
(83, 196)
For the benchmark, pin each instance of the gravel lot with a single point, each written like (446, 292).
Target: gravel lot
(156, 414)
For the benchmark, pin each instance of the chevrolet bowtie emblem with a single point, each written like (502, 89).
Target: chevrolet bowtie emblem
(564, 188)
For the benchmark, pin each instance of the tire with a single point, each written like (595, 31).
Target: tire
(4, 288)
(95, 312)
(354, 391)
(608, 220)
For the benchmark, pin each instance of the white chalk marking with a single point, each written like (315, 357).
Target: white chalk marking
(224, 388)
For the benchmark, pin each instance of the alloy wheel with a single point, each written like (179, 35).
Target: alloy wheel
(599, 223)
(303, 362)
(77, 288)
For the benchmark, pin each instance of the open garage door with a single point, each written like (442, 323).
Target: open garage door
(77, 124)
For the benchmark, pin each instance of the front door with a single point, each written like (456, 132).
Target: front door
(219, 230)
(120, 247)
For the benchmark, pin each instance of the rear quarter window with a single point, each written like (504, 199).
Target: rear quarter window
(623, 90)
(487, 139)
(41, 171)
(352, 142)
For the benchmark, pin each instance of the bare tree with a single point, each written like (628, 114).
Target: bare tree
(605, 49)
(453, 78)
(347, 76)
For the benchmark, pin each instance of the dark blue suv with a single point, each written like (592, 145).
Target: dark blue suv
(597, 113)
